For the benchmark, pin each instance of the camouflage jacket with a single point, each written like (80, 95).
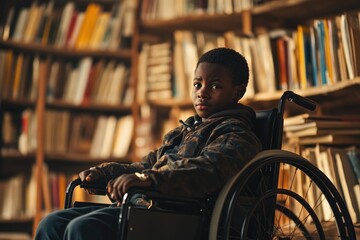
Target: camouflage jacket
(198, 157)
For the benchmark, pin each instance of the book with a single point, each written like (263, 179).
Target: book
(70, 85)
(104, 82)
(77, 21)
(64, 26)
(264, 73)
(96, 81)
(25, 84)
(324, 163)
(322, 123)
(314, 193)
(320, 40)
(35, 78)
(352, 18)
(328, 139)
(308, 117)
(181, 86)
(52, 81)
(46, 192)
(99, 30)
(81, 82)
(345, 37)
(122, 136)
(98, 138)
(336, 129)
(5, 33)
(82, 133)
(63, 132)
(330, 168)
(7, 74)
(128, 24)
(107, 143)
(117, 86)
(20, 25)
(33, 21)
(354, 157)
(142, 76)
(348, 181)
(17, 76)
(92, 13)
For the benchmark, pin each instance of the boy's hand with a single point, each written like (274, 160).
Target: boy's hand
(120, 185)
(90, 175)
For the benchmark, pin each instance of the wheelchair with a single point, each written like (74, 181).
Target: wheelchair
(277, 195)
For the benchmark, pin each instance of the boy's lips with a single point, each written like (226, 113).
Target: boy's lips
(202, 106)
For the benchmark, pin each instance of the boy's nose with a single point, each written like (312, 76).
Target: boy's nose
(203, 93)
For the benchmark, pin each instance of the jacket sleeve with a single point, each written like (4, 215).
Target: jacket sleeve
(114, 169)
(218, 161)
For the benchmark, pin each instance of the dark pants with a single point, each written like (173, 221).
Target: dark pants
(80, 223)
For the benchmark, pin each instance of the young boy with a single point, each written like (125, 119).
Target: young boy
(196, 158)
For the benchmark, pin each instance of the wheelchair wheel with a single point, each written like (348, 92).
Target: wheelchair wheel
(280, 195)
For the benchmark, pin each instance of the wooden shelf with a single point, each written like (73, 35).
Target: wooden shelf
(171, 103)
(215, 23)
(18, 225)
(343, 95)
(12, 104)
(121, 54)
(82, 158)
(91, 108)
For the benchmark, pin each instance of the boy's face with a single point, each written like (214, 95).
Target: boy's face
(213, 89)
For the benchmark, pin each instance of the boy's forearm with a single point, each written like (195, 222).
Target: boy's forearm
(115, 169)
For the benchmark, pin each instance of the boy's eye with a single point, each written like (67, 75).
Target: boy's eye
(215, 86)
(197, 85)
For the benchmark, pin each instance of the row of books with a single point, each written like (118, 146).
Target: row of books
(307, 129)
(155, 72)
(54, 187)
(70, 26)
(19, 75)
(18, 193)
(13, 198)
(342, 167)
(322, 52)
(162, 9)
(82, 134)
(84, 81)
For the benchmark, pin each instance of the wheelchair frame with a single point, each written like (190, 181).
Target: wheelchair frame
(216, 215)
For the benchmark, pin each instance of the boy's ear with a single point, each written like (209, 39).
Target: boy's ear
(239, 92)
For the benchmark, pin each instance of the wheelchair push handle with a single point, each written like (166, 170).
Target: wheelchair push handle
(299, 100)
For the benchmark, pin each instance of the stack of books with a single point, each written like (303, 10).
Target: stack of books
(331, 143)
(308, 129)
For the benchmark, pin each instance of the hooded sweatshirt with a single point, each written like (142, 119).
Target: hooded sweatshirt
(198, 157)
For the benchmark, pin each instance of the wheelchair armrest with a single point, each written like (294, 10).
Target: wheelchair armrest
(98, 188)
(169, 202)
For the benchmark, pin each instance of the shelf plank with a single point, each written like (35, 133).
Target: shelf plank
(122, 54)
(314, 92)
(91, 108)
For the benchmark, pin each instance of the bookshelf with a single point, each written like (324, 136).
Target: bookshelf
(48, 129)
(248, 21)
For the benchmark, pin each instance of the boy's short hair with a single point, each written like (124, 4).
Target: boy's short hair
(232, 60)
